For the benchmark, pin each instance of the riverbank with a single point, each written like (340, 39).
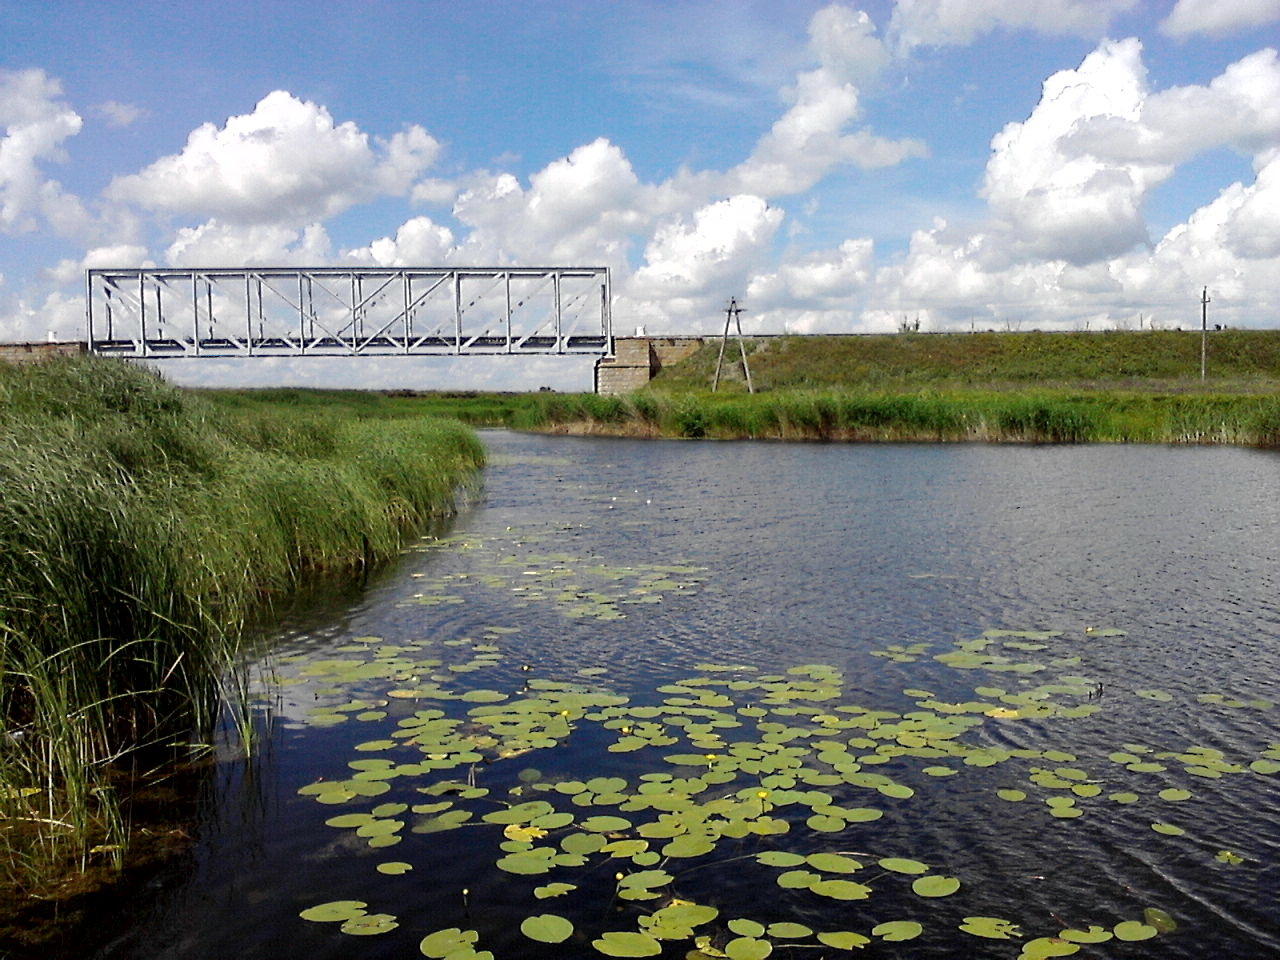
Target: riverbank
(957, 415)
(141, 528)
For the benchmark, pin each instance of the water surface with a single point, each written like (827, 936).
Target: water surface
(1106, 619)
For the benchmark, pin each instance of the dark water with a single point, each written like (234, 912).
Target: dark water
(780, 556)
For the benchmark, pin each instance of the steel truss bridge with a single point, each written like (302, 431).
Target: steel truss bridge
(344, 311)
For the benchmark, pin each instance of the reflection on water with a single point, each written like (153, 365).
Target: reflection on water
(835, 696)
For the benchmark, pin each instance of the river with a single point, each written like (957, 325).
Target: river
(908, 700)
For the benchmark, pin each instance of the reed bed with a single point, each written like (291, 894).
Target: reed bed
(141, 527)
(931, 416)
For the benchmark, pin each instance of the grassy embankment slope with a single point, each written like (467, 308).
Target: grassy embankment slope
(141, 527)
(1038, 387)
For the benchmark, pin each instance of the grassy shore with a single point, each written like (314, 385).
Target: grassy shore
(1042, 416)
(1167, 361)
(141, 527)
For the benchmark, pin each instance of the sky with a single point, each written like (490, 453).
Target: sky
(837, 168)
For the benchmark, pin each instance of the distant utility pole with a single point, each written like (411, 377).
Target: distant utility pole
(1204, 332)
(732, 314)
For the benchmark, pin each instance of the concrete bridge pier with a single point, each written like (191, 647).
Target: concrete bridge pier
(636, 360)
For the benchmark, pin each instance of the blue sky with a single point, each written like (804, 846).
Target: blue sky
(1066, 164)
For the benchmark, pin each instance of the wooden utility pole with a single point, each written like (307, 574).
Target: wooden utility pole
(1204, 332)
(732, 314)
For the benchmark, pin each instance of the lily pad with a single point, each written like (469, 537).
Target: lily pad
(897, 930)
(442, 943)
(627, 943)
(1094, 934)
(935, 885)
(902, 865)
(370, 924)
(334, 911)
(547, 928)
(1133, 930)
(843, 939)
(992, 928)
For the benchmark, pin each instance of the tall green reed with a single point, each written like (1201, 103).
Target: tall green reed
(140, 527)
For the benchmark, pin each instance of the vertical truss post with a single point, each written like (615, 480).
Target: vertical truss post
(88, 305)
(457, 313)
(159, 312)
(111, 321)
(406, 288)
(142, 309)
(302, 318)
(507, 279)
(606, 315)
(248, 312)
(555, 286)
(195, 313)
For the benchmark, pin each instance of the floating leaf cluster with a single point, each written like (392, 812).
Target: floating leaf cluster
(777, 772)
(578, 587)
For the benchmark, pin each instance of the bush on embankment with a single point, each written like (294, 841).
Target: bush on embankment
(990, 416)
(140, 527)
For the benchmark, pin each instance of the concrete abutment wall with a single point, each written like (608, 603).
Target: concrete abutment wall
(636, 360)
(40, 350)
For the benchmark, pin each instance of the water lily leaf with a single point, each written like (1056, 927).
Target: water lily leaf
(520, 813)
(935, 885)
(547, 928)
(528, 863)
(627, 943)
(1162, 921)
(1168, 829)
(825, 824)
(789, 931)
(1174, 794)
(689, 845)
(747, 948)
(553, 890)
(1043, 947)
(605, 824)
(394, 868)
(370, 924)
(1125, 797)
(993, 928)
(445, 942)
(334, 911)
(1265, 766)
(1228, 856)
(902, 865)
(779, 858)
(843, 939)
(1133, 930)
(1013, 796)
(745, 927)
(832, 863)
(897, 930)
(798, 879)
(1094, 934)
(841, 889)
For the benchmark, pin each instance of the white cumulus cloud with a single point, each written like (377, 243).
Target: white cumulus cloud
(939, 23)
(1217, 18)
(35, 125)
(218, 244)
(813, 136)
(287, 162)
(1056, 200)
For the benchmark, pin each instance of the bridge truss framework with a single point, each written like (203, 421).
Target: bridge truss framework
(346, 311)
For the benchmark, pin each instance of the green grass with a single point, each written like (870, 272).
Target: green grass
(1033, 416)
(141, 527)
(1162, 360)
